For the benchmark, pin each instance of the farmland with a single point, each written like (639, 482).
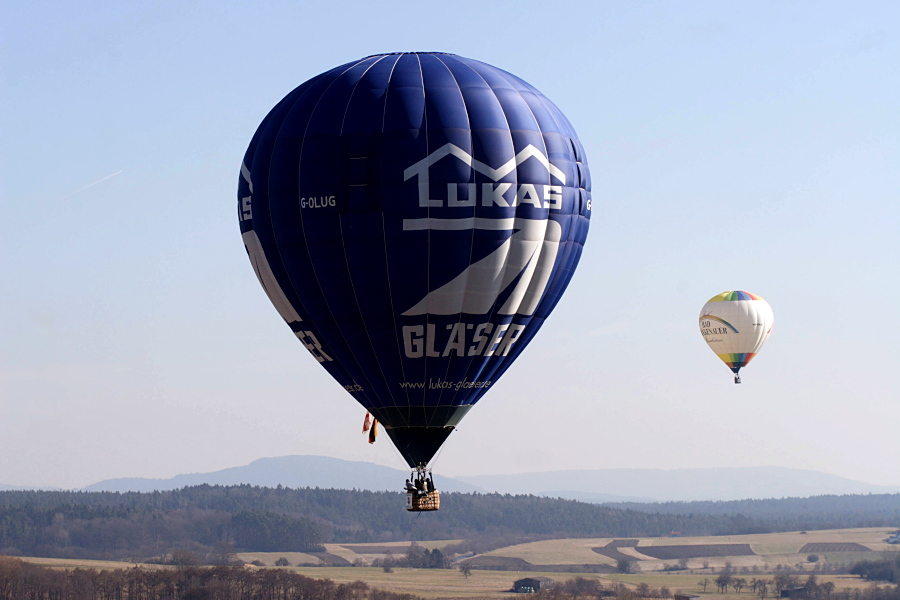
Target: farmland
(767, 551)
(704, 558)
(760, 551)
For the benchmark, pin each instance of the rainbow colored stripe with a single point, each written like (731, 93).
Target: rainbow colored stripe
(720, 320)
(737, 360)
(734, 295)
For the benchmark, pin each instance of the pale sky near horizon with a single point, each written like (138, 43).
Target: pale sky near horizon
(732, 146)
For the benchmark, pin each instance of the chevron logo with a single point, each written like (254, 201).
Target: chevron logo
(540, 196)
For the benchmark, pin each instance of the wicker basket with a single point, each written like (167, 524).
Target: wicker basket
(427, 501)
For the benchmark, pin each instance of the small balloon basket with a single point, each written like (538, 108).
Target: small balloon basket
(418, 501)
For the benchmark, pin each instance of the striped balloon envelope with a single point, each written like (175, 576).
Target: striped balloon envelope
(414, 218)
(735, 325)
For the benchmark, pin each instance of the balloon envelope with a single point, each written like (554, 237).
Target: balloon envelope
(414, 218)
(735, 325)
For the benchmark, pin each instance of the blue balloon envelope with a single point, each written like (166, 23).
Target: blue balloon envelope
(414, 218)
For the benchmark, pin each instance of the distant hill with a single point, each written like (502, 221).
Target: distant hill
(676, 485)
(288, 471)
(595, 486)
(4, 487)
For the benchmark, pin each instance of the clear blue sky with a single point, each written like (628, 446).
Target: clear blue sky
(733, 146)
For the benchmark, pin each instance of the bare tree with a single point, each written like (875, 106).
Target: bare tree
(184, 558)
(723, 581)
(623, 565)
(784, 581)
(759, 586)
(223, 554)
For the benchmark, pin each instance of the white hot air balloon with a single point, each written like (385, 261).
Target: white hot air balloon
(735, 325)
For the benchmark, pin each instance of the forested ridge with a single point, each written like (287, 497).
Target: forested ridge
(787, 514)
(141, 525)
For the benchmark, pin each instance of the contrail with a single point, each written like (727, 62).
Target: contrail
(90, 185)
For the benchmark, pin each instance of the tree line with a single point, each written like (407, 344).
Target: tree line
(137, 525)
(416, 557)
(789, 514)
(20, 580)
(582, 588)
(78, 531)
(887, 569)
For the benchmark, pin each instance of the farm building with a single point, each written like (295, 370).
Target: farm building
(795, 592)
(532, 584)
(686, 597)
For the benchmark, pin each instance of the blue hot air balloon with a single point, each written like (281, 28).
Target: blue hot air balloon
(414, 218)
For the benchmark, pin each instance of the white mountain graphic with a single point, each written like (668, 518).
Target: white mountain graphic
(526, 257)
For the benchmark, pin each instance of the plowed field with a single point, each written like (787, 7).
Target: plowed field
(696, 551)
(834, 547)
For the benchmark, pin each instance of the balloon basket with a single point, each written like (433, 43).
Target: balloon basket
(427, 501)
